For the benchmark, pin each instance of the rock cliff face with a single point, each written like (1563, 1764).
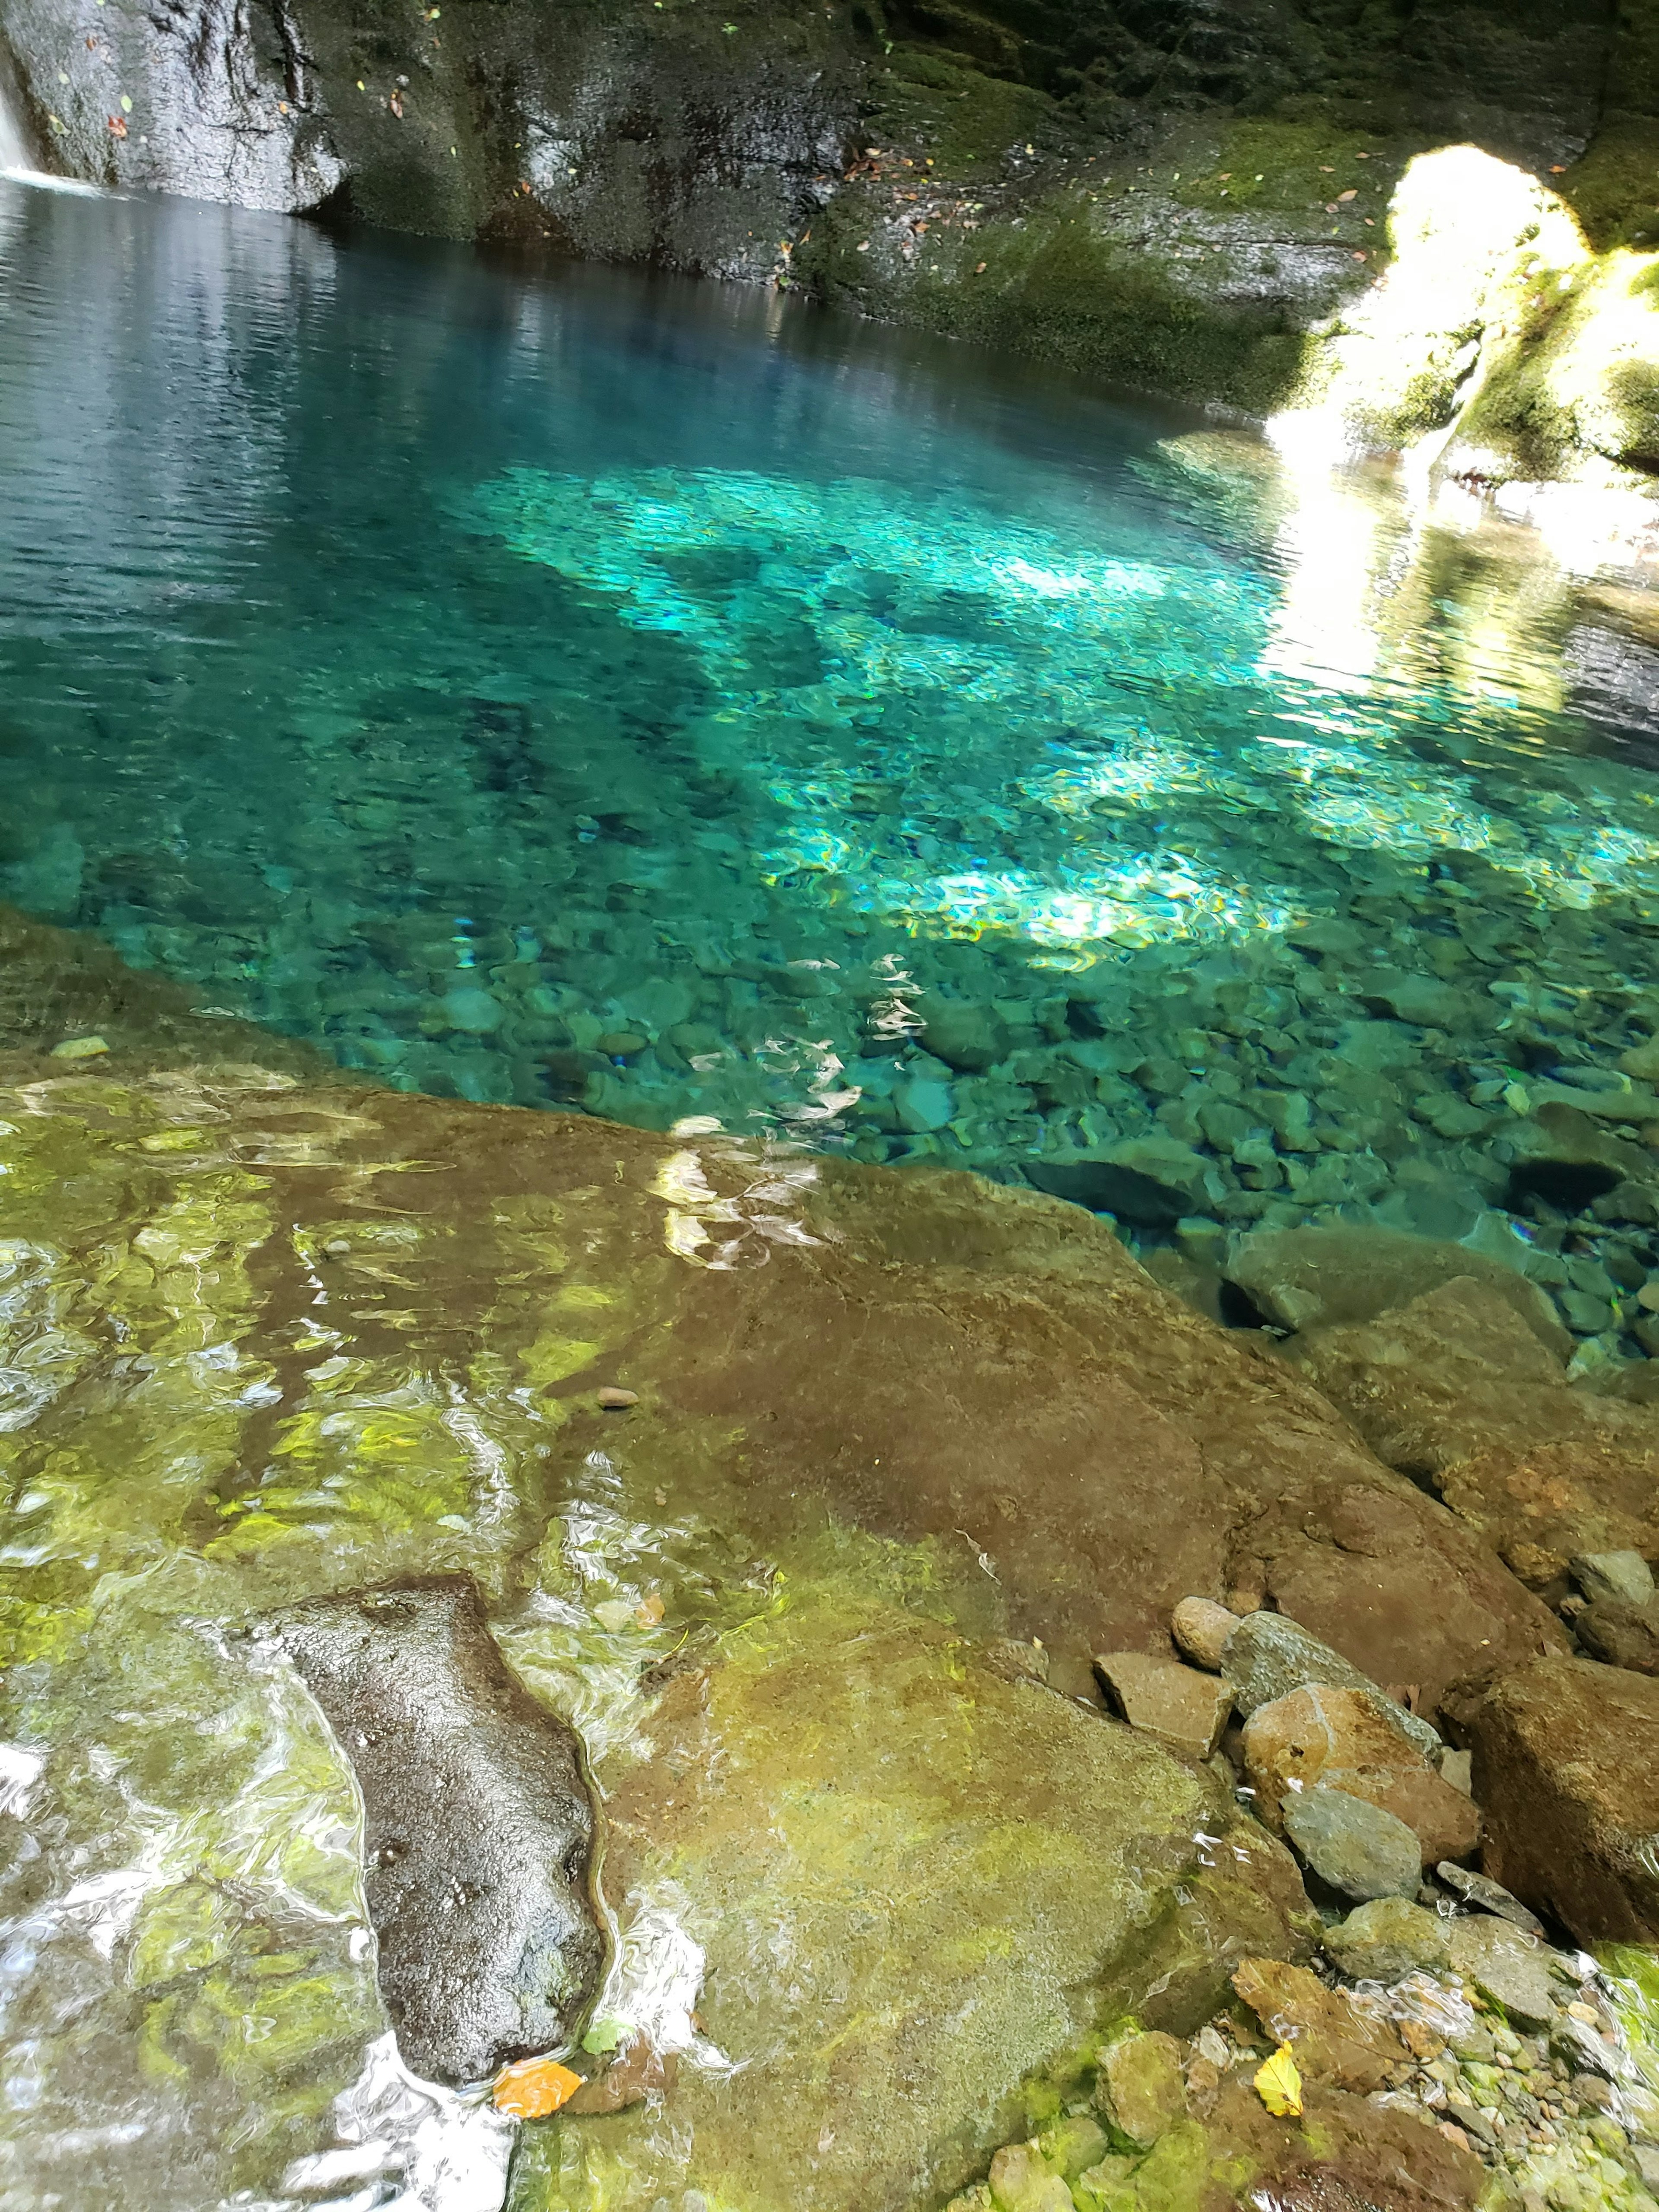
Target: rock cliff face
(1190, 198)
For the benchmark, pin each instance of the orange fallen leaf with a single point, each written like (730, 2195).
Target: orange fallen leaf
(534, 2088)
(118, 125)
(1350, 194)
(649, 1610)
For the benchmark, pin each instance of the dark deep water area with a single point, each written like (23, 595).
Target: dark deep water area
(578, 689)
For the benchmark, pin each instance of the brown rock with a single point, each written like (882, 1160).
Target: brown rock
(615, 1401)
(1456, 1388)
(1331, 2039)
(1341, 1738)
(1200, 1627)
(638, 2071)
(1348, 2155)
(1566, 1767)
(1331, 1278)
(1183, 1708)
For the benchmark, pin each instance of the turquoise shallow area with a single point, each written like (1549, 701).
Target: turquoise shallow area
(571, 689)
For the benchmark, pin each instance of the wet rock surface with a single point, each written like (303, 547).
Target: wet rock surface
(787, 1597)
(1567, 1761)
(478, 1831)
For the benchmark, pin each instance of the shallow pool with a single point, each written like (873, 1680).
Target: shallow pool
(575, 690)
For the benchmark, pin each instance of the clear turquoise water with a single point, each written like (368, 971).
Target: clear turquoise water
(582, 690)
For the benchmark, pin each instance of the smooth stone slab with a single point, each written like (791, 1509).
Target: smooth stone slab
(1180, 1706)
(478, 1831)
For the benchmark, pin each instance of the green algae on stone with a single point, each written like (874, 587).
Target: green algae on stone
(913, 1886)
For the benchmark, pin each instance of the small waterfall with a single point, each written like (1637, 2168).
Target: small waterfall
(14, 147)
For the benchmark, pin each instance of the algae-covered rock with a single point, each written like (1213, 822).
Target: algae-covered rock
(911, 1887)
(275, 1342)
(1140, 2089)
(1387, 1938)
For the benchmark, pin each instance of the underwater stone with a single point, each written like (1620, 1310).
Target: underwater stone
(478, 1830)
(1510, 1967)
(1157, 1181)
(1321, 1278)
(1480, 1890)
(1387, 1938)
(966, 1036)
(1201, 1628)
(1141, 2088)
(1566, 1760)
(1180, 1706)
(1269, 1655)
(1357, 1848)
(470, 1010)
(1346, 1739)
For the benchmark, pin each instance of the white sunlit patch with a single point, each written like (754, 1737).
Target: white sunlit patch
(941, 706)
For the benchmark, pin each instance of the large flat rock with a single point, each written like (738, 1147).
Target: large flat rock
(917, 1887)
(267, 1341)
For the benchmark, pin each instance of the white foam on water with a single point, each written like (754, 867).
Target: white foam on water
(446, 2152)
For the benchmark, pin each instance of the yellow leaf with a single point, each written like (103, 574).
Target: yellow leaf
(1279, 2086)
(534, 2088)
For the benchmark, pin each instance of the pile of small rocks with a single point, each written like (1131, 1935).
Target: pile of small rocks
(1434, 1997)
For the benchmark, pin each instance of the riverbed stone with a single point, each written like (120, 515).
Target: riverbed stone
(1620, 1634)
(1624, 1577)
(1387, 1938)
(1506, 1964)
(1357, 1848)
(1155, 1181)
(962, 1873)
(1480, 1891)
(1333, 1277)
(1269, 1657)
(1201, 1626)
(1183, 1708)
(477, 1828)
(1347, 1739)
(1141, 2088)
(1331, 2038)
(1566, 1769)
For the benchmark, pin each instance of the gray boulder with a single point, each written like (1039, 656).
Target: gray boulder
(1623, 1576)
(1357, 1849)
(478, 1830)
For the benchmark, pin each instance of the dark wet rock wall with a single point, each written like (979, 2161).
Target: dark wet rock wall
(1142, 191)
